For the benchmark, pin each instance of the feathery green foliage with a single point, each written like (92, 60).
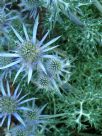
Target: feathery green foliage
(66, 77)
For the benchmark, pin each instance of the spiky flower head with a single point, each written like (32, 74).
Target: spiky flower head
(42, 81)
(33, 119)
(28, 130)
(46, 82)
(31, 53)
(58, 68)
(11, 104)
(58, 73)
(54, 66)
(35, 115)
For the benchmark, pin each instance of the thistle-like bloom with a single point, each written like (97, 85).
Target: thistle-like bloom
(31, 53)
(46, 82)
(33, 119)
(35, 115)
(58, 73)
(10, 105)
(58, 68)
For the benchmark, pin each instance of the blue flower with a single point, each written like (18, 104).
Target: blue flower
(31, 53)
(34, 122)
(58, 68)
(11, 104)
(45, 82)
(35, 115)
(58, 73)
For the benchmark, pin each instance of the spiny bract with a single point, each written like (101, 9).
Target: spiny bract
(58, 66)
(11, 104)
(35, 115)
(46, 82)
(42, 81)
(33, 120)
(31, 53)
(58, 73)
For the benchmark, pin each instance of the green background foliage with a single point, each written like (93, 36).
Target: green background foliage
(79, 109)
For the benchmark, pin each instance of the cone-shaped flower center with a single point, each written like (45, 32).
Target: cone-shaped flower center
(29, 52)
(55, 66)
(43, 82)
(7, 105)
(31, 115)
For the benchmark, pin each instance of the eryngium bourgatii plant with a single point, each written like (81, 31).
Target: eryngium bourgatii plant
(11, 104)
(31, 53)
(58, 73)
(35, 115)
(34, 120)
(58, 67)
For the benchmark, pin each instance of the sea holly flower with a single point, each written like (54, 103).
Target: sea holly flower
(58, 73)
(35, 115)
(11, 104)
(33, 119)
(58, 68)
(31, 53)
(46, 82)
(41, 80)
